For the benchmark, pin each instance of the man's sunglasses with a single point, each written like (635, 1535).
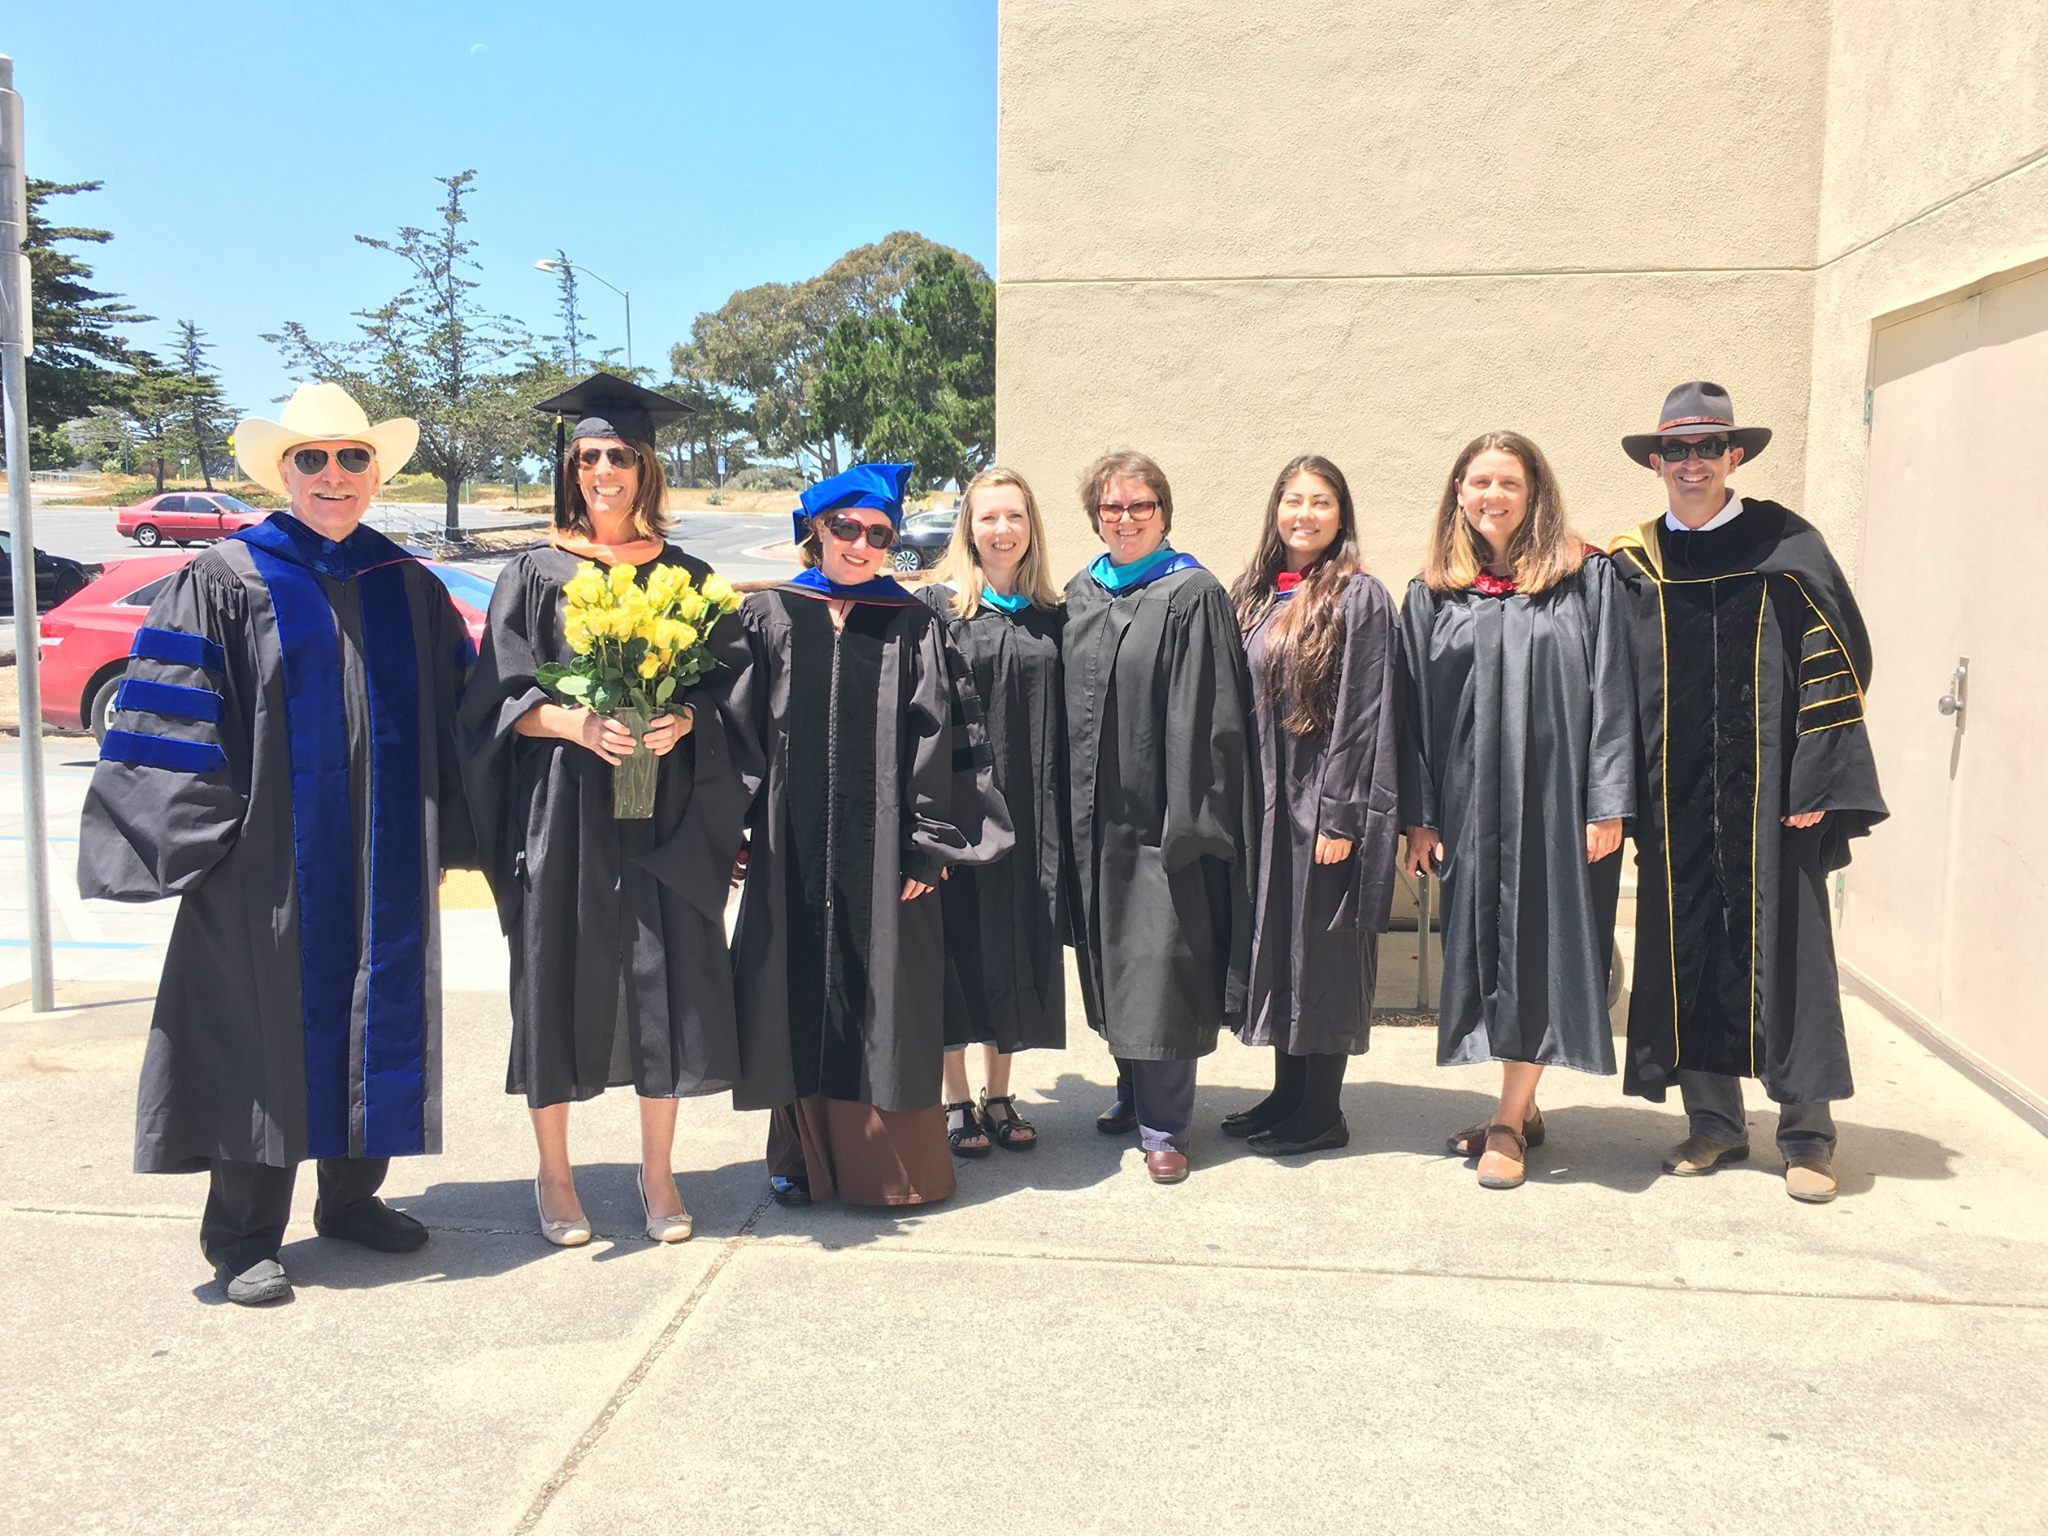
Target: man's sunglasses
(311, 461)
(850, 529)
(615, 456)
(1672, 450)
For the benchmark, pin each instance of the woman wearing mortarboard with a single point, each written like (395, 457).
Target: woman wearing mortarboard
(869, 791)
(619, 966)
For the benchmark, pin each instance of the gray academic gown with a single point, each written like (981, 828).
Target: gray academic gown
(1163, 819)
(1519, 731)
(282, 759)
(1315, 951)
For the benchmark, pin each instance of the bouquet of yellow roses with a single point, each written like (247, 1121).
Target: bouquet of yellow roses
(636, 645)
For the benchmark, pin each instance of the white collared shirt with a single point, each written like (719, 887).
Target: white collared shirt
(1720, 519)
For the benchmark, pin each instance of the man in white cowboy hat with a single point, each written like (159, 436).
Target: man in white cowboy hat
(281, 759)
(1751, 662)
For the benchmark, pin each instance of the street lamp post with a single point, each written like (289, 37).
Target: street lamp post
(547, 264)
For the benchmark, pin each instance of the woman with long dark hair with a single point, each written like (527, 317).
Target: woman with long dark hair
(1517, 770)
(1321, 641)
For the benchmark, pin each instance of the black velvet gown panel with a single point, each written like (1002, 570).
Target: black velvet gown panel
(1006, 924)
(617, 928)
(1751, 663)
(1518, 733)
(1315, 951)
(1164, 820)
(853, 757)
(230, 1069)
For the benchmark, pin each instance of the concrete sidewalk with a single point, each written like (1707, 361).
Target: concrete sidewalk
(1366, 1341)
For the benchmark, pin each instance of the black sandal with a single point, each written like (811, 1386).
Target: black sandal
(1005, 1129)
(970, 1125)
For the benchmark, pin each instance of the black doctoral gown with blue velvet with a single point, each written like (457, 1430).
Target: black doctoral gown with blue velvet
(861, 778)
(282, 760)
(617, 928)
(1751, 662)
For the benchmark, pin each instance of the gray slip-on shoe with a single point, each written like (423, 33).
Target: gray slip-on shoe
(261, 1283)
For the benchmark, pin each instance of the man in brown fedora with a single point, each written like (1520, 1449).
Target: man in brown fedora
(1751, 663)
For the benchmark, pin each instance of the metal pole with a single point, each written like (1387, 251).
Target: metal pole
(14, 345)
(629, 328)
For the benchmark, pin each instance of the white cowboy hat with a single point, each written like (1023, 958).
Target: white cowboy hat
(320, 413)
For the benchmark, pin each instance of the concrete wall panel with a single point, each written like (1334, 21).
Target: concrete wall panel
(1223, 382)
(1188, 138)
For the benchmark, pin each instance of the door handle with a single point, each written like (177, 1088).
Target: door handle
(1956, 700)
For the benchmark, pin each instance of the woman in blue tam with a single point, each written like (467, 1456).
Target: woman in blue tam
(1163, 814)
(867, 795)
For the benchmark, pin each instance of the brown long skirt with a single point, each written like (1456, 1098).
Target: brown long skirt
(861, 1154)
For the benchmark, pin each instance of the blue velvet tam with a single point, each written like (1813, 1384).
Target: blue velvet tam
(865, 485)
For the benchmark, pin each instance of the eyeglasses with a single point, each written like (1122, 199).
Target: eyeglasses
(1136, 511)
(852, 529)
(311, 461)
(1673, 450)
(617, 457)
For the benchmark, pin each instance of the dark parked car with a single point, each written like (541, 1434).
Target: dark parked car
(923, 541)
(57, 577)
(186, 517)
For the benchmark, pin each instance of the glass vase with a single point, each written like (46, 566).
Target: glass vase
(633, 780)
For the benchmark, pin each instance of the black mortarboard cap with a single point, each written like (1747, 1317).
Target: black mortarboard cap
(605, 405)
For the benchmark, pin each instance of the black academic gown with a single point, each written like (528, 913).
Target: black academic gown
(617, 928)
(852, 750)
(1163, 814)
(1751, 662)
(1517, 735)
(1315, 953)
(282, 760)
(1006, 924)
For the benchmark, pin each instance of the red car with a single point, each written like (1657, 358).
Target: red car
(186, 517)
(85, 639)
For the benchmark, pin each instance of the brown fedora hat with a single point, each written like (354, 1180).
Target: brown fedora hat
(1691, 410)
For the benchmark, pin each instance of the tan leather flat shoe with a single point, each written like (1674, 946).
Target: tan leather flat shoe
(563, 1234)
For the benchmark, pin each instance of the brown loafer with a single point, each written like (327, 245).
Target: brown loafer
(1811, 1180)
(1471, 1141)
(1503, 1170)
(1120, 1119)
(1166, 1166)
(1696, 1155)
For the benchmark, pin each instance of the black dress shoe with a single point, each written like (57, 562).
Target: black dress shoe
(1246, 1122)
(786, 1191)
(373, 1224)
(260, 1284)
(1120, 1119)
(1266, 1144)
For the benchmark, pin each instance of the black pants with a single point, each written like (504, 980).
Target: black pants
(248, 1204)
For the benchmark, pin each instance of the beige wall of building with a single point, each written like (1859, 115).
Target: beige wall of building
(1231, 232)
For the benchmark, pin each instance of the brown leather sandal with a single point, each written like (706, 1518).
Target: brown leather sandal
(1471, 1141)
(1507, 1173)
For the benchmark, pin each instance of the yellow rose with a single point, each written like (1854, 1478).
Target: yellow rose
(720, 591)
(622, 579)
(694, 609)
(686, 636)
(576, 630)
(650, 665)
(585, 588)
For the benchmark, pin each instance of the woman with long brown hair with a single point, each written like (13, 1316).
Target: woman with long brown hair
(1321, 641)
(1516, 771)
(1005, 986)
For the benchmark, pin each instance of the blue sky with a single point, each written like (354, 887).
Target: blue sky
(683, 150)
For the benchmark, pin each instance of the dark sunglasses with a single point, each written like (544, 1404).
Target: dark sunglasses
(618, 458)
(1673, 450)
(878, 535)
(311, 461)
